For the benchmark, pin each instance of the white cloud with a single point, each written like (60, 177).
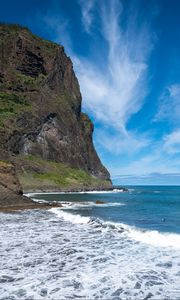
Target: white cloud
(172, 142)
(113, 93)
(121, 142)
(87, 15)
(169, 104)
(152, 163)
(162, 157)
(174, 90)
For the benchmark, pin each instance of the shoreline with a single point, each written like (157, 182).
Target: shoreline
(74, 191)
(27, 202)
(22, 202)
(35, 205)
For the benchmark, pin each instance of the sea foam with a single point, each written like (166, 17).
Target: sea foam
(54, 254)
(151, 237)
(75, 219)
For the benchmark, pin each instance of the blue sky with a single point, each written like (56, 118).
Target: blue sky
(126, 57)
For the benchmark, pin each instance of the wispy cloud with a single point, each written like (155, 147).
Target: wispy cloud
(114, 92)
(169, 104)
(172, 142)
(87, 14)
(169, 111)
(162, 158)
(121, 142)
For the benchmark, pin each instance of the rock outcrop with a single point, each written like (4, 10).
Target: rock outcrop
(11, 193)
(40, 107)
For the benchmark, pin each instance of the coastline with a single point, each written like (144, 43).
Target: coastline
(74, 190)
(23, 203)
(49, 251)
(35, 205)
(26, 201)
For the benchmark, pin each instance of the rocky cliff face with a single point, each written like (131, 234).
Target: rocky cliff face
(11, 193)
(40, 105)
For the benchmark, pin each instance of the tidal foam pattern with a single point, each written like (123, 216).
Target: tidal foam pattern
(55, 255)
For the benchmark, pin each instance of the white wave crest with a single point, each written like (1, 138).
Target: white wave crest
(79, 205)
(103, 192)
(155, 238)
(39, 200)
(75, 219)
(151, 237)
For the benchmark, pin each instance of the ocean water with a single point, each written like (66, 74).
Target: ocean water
(113, 245)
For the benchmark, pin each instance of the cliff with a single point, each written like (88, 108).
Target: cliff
(42, 129)
(11, 193)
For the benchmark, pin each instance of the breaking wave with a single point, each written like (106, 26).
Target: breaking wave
(152, 237)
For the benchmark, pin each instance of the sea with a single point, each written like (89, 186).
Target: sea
(98, 245)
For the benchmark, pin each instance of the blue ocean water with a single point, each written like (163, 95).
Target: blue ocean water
(148, 207)
(98, 245)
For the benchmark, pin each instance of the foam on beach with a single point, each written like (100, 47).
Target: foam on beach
(151, 237)
(54, 254)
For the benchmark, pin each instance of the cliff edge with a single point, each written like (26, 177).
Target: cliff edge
(42, 129)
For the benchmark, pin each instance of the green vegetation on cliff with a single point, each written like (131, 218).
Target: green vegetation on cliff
(11, 105)
(39, 174)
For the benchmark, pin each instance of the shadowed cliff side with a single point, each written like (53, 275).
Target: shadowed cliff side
(42, 128)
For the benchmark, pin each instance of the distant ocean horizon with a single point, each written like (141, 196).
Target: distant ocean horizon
(106, 245)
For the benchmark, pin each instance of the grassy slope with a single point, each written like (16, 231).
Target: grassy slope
(46, 175)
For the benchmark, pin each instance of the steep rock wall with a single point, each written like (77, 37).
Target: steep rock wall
(40, 104)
